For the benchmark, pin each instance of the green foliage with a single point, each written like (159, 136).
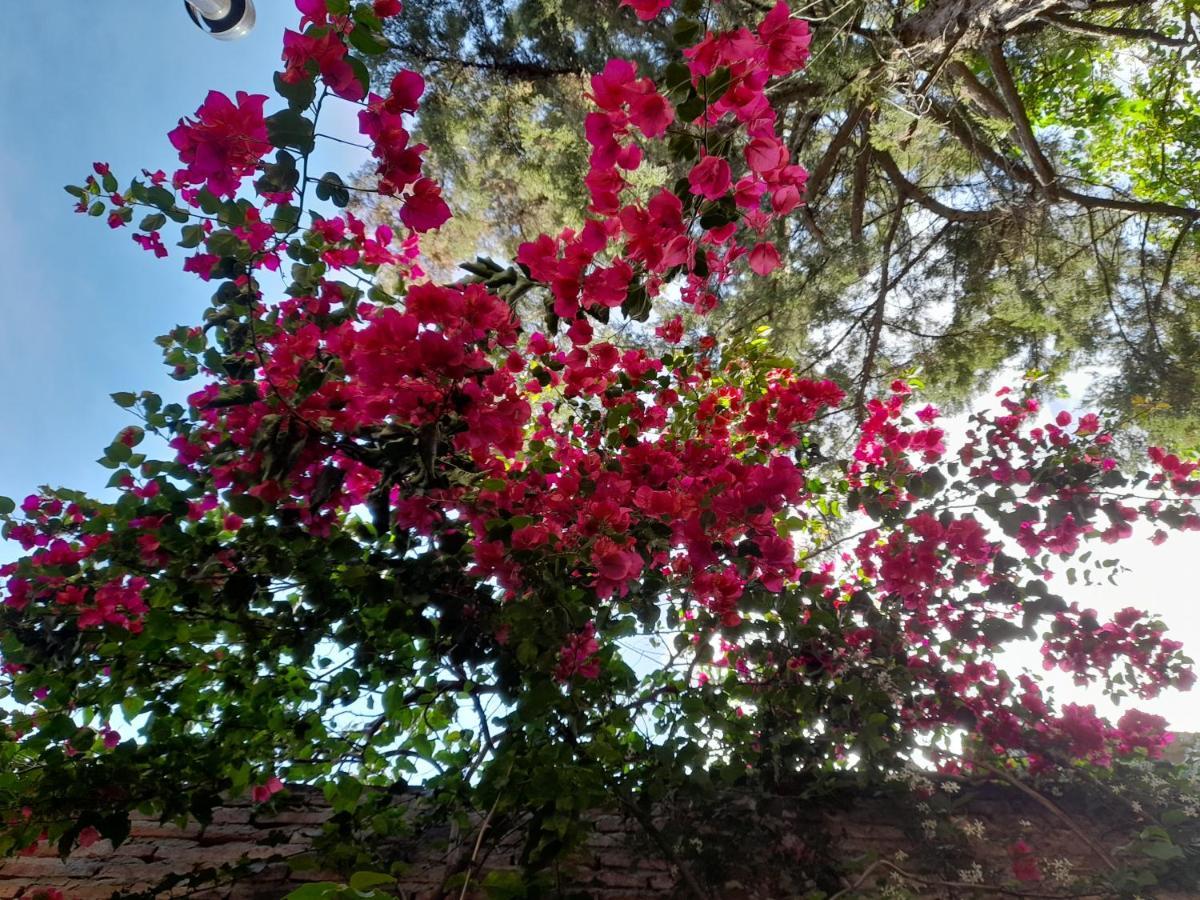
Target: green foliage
(988, 273)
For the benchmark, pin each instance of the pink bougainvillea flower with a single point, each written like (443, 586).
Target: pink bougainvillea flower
(650, 111)
(578, 657)
(671, 331)
(328, 55)
(407, 88)
(224, 143)
(261, 793)
(786, 40)
(313, 11)
(764, 258)
(710, 178)
(766, 154)
(424, 209)
(646, 10)
(1024, 863)
(152, 242)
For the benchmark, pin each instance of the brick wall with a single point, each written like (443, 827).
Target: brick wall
(753, 847)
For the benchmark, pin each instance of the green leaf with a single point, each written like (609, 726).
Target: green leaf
(691, 108)
(96, 209)
(1163, 850)
(245, 505)
(191, 236)
(364, 881)
(1170, 818)
(360, 72)
(286, 218)
(159, 196)
(118, 451)
(131, 706)
(329, 184)
(7, 506)
(367, 41)
(637, 304)
(225, 243)
(287, 128)
(677, 77)
(153, 222)
(504, 884)
(124, 399)
(716, 84)
(298, 94)
(686, 32)
(315, 891)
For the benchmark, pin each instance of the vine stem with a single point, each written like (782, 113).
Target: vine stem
(1050, 805)
(483, 827)
(958, 885)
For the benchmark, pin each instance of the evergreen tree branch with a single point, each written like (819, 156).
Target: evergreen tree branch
(1170, 263)
(914, 192)
(876, 327)
(513, 68)
(983, 96)
(1092, 29)
(820, 173)
(962, 130)
(1016, 107)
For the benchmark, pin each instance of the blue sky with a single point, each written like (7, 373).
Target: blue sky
(82, 82)
(89, 81)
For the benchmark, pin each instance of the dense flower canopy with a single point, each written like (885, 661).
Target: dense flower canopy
(390, 501)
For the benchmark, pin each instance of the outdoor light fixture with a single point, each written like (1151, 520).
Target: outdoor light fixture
(226, 20)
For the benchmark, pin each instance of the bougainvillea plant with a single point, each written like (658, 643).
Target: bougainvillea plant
(524, 538)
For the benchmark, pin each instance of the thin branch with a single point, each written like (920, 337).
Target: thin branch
(966, 135)
(1050, 805)
(913, 191)
(858, 199)
(513, 68)
(1170, 263)
(1145, 207)
(479, 838)
(824, 167)
(1091, 29)
(961, 129)
(1012, 99)
(878, 310)
(978, 91)
(959, 885)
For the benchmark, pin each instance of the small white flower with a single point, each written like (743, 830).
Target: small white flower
(973, 828)
(1135, 806)
(951, 787)
(1025, 823)
(1060, 869)
(973, 874)
(899, 856)
(929, 826)
(922, 784)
